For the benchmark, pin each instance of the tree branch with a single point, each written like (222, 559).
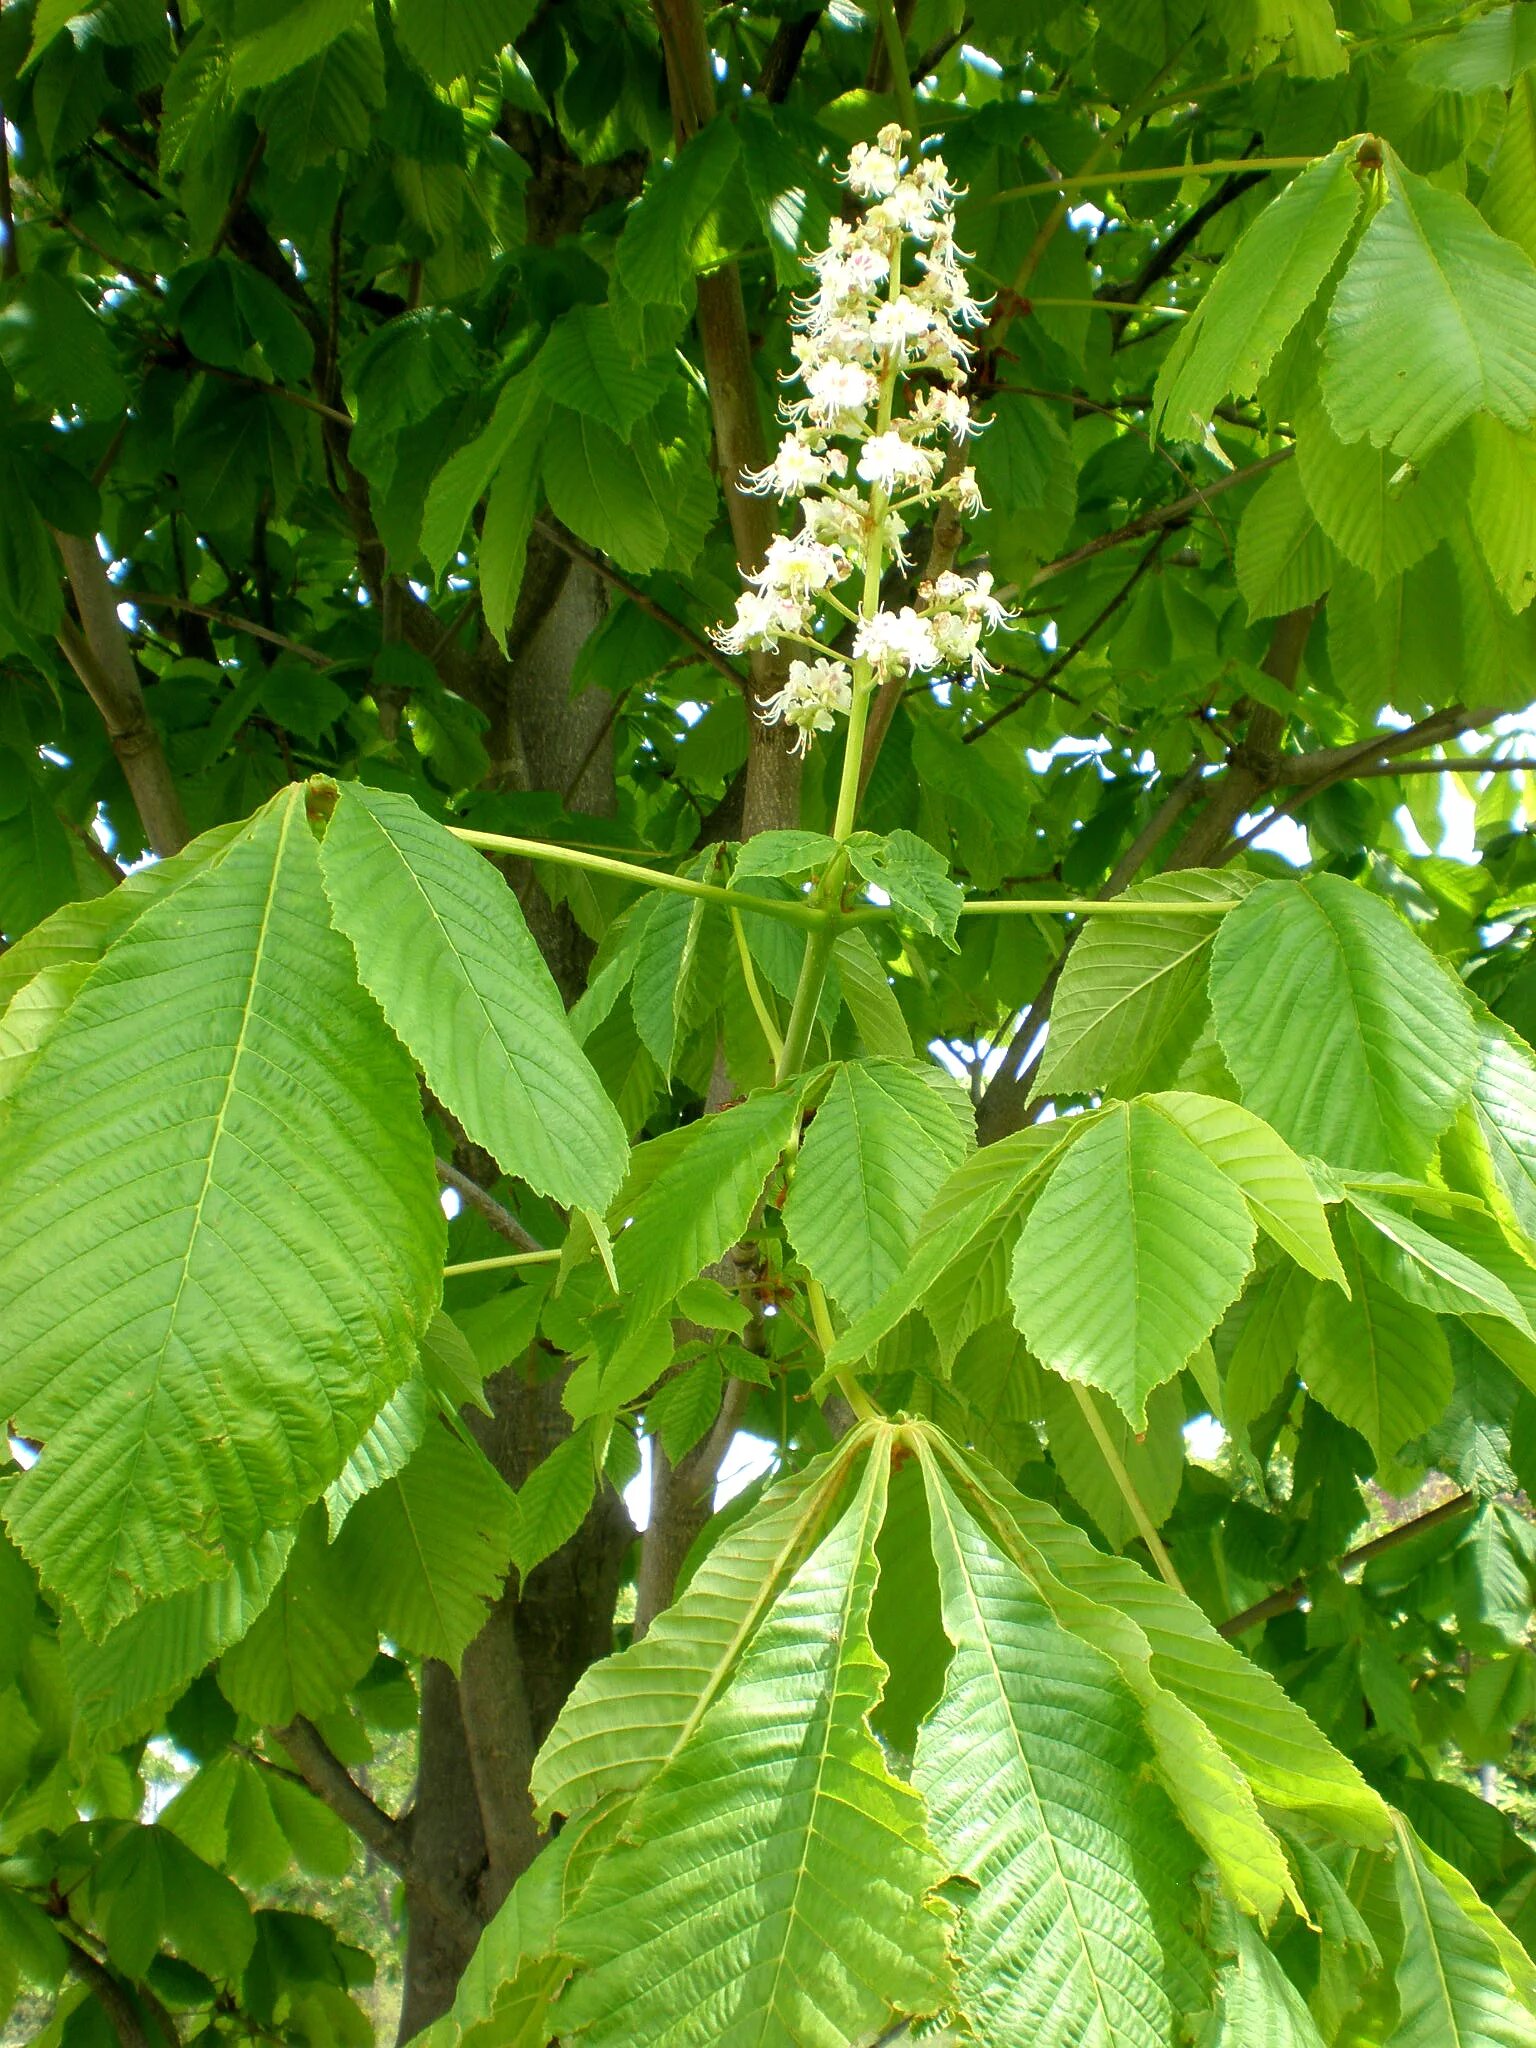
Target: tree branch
(333, 1784)
(97, 650)
(1287, 1597)
(782, 59)
(160, 600)
(499, 1218)
(112, 1996)
(1173, 514)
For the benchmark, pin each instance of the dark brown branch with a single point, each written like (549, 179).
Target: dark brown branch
(641, 599)
(333, 1784)
(501, 1219)
(160, 600)
(1175, 513)
(782, 58)
(113, 1996)
(97, 650)
(1167, 253)
(1069, 654)
(1287, 1597)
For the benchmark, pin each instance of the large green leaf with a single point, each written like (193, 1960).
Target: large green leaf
(1129, 1258)
(1379, 1364)
(630, 1713)
(1033, 1768)
(1283, 558)
(773, 1884)
(1379, 513)
(701, 1199)
(1153, 1458)
(452, 39)
(1132, 991)
(223, 1238)
(1452, 1986)
(885, 1135)
(1259, 2002)
(1259, 294)
(309, 1644)
(1341, 1029)
(1434, 320)
(441, 943)
(428, 1550)
(1504, 1106)
(1429, 1269)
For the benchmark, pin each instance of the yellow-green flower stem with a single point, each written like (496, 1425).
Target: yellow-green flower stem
(826, 1337)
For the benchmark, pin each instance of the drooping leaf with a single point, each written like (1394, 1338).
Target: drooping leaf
(774, 1883)
(1377, 1363)
(1166, 1237)
(442, 945)
(1453, 1989)
(1030, 1770)
(1283, 558)
(311, 1641)
(1341, 1030)
(452, 39)
(219, 1147)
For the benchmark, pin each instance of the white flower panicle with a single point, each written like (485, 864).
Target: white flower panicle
(860, 336)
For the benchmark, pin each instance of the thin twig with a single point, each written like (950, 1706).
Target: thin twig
(1161, 515)
(1287, 1597)
(501, 1219)
(161, 600)
(333, 1784)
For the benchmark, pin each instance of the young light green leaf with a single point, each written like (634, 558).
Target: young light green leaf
(1259, 294)
(1268, 1344)
(585, 364)
(1132, 993)
(682, 1409)
(1259, 2002)
(654, 259)
(1434, 320)
(1129, 1258)
(1154, 1458)
(1422, 1267)
(464, 478)
(1504, 1106)
(1452, 1986)
(219, 1148)
(442, 945)
(310, 1643)
(914, 875)
(884, 1138)
(1381, 513)
(870, 998)
(1493, 49)
(774, 1881)
(1274, 1182)
(1341, 1029)
(553, 1500)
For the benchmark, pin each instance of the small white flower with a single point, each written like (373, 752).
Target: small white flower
(836, 389)
(814, 692)
(892, 462)
(796, 467)
(897, 643)
(797, 566)
(964, 490)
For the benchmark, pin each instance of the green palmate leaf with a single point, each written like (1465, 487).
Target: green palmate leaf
(1380, 1365)
(584, 364)
(1427, 1270)
(774, 1883)
(428, 1550)
(509, 516)
(149, 1889)
(1509, 199)
(1431, 323)
(324, 107)
(1132, 993)
(659, 987)
(123, 1682)
(441, 943)
(1267, 1345)
(552, 1502)
(1341, 1030)
(989, 1188)
(1260, 293)
(884, 1138)
(1274, 1182)
(1283, 558)
(31, 1015)
(1132, 1253)
(309, 1644)
(1033, 1772)
(1453, 1988)
(682, 1409)
(1381, 513)
(452, 39)
(218, 1148)
(604, 492)
(700, 1200)
(629, 1714)
(1259, 2003)
(281, 38)
(654, 261)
